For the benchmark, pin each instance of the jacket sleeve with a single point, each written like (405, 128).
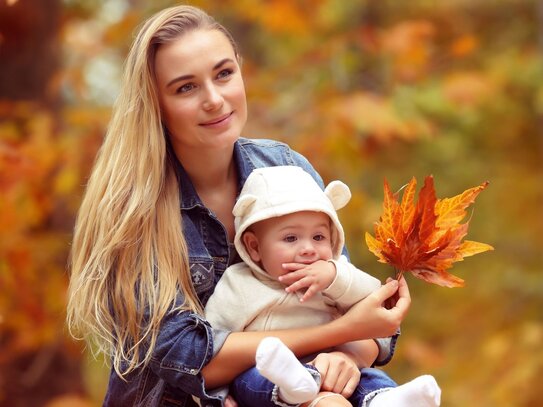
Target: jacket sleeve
(387, 346)
(183, 347)
(188, 341)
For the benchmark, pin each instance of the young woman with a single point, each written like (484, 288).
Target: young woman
(155, 228)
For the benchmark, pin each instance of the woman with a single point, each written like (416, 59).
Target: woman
(142, 269)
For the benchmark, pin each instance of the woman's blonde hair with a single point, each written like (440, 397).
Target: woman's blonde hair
(129, 259)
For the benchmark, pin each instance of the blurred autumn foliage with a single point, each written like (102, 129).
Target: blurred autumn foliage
(365, 89)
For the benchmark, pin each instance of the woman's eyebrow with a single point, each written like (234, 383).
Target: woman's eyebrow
(185, 77)
(222, 62)
(179, 79)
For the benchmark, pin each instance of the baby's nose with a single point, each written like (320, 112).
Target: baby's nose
(307, 248)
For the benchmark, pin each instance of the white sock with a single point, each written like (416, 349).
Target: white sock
(420, 392)
(279, 365)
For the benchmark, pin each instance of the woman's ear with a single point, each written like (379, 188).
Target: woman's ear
(250, 241)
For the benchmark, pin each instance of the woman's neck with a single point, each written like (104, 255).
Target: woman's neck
(209, 170)
(215, 178)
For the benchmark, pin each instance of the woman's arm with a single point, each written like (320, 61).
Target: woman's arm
(365, 320)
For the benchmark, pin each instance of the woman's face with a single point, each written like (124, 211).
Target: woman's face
(201, 91)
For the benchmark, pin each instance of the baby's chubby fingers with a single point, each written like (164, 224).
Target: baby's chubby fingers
(316, 277)
(297, 281)
(290, 267)
(294, 272)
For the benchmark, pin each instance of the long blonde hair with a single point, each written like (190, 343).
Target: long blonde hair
(129, 259)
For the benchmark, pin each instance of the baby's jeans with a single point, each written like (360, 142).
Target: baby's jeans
(251, 389)
(372, 382)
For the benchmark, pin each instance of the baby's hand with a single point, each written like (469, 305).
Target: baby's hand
(339, 373)
(316, 277)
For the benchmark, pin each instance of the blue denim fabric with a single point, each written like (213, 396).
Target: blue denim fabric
(372, 382)
(186, 342)
(251, 389)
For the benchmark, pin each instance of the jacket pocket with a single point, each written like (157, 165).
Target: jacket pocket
(202, 272)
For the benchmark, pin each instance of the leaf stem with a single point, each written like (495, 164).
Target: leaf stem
(399, 273)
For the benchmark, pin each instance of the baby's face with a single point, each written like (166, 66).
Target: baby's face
(301, 237)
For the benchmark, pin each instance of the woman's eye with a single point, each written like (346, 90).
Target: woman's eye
(187, 87)
(224, 73)
(290, 239)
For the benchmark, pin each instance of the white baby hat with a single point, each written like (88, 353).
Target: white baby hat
(275, 191)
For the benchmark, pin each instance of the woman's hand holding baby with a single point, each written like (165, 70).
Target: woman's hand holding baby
(315, 277)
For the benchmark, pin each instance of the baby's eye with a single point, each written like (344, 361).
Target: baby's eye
(225, 73)
(319, 238)
(187, 87)
(290, 239)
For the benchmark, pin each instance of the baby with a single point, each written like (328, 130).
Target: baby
(293, 274)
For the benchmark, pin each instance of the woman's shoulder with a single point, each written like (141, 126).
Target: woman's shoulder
(262, 152)
(265, 152)
(261, 143)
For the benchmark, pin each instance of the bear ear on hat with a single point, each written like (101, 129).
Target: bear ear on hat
(243, 204)
(338, 193)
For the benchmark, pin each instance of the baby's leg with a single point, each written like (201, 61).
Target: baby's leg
(372, 382)
(279, 365)
(421, 392)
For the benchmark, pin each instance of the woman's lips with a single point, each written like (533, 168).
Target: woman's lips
(217, 121)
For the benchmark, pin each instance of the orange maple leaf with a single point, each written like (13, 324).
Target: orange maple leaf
(425, 239)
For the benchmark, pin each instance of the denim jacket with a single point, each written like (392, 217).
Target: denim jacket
(186, 342)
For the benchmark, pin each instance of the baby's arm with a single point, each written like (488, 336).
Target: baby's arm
(363, 352)
(369, 316)
(350, 286)
(338, 280)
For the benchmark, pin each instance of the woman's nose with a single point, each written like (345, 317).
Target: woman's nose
(213, 98)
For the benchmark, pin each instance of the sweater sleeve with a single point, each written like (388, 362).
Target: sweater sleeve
(350, 286)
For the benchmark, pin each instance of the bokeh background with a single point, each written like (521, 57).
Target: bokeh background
(366, 89)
